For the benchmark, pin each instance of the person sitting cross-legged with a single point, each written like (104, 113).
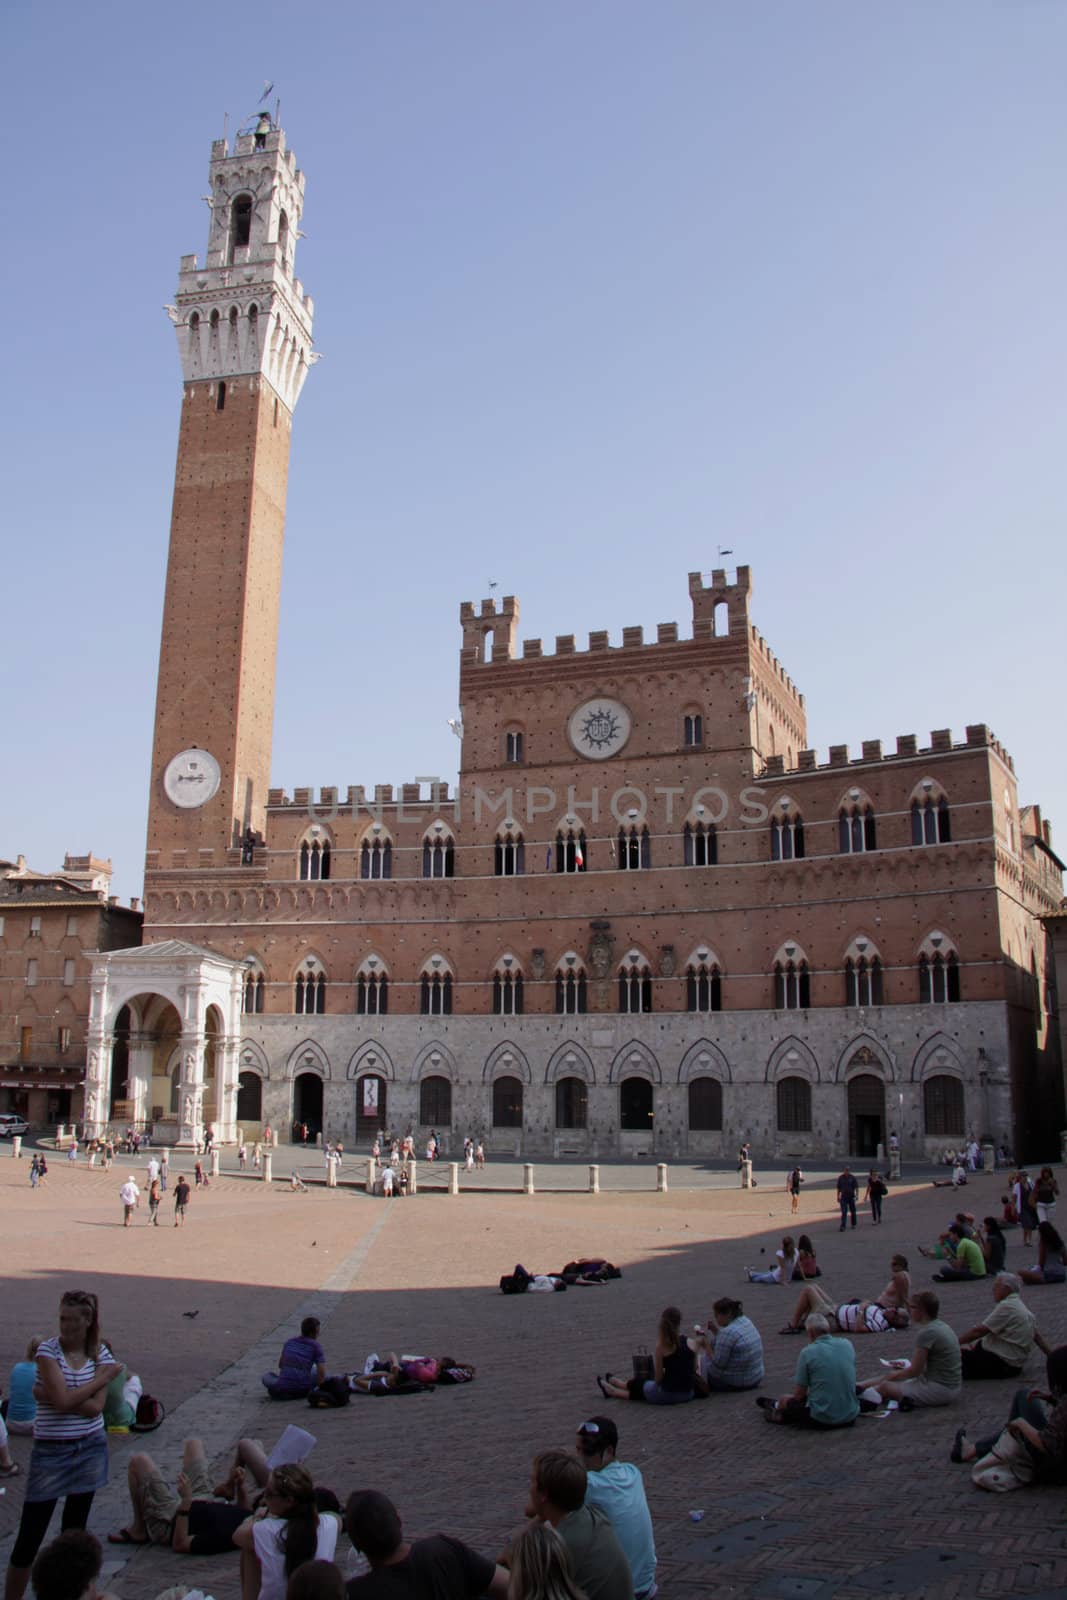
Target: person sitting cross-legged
(825, 1392)
(301, 1365)
(968, 1261)
(730, 1352)
(193, 1518)
(999, 1345)
(933, 1376)
(619, 1490)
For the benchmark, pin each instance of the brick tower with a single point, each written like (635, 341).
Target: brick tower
(244, 338)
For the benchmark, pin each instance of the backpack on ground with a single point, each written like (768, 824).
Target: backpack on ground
(148, 1416)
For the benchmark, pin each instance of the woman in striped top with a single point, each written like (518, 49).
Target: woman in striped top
(69, 1460)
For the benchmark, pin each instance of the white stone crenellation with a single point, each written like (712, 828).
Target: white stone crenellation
(243, 313)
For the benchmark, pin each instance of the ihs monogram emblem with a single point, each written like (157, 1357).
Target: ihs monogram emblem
(599, 728)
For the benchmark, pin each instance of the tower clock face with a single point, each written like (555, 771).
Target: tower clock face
(599, 728)
(191, 778)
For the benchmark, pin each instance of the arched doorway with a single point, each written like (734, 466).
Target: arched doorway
(307, 1105)
(370, 1106)
(635, 1105)
(507, 1103)
(120, 1064)
(866, 1115)
(249, 1098)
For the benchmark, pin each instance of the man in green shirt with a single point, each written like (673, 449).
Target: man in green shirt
(825, 1392)
(934, 1375)
(968, 1262)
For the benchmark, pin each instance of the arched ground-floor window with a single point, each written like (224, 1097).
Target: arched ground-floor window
(507, 1103)
(249, 1097)
(435, 1102)
(943, 1107)
(705, 1105)
(794, 1105)
(572, 1103)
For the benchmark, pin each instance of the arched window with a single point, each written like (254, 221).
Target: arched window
(863, 981)
(438, 855)
(939, 978)
(943, 1107)
(314, 859)
(310, 989)
(220, 397)
(794, 1105)
(507, 989)
(705, 1105)
(249, 1097)
(507, 1103)
(930, 821)
(635, 985)
(436, 990)
(692, 729)
(635, 849)
(513, 747)
(240, 223)
(572, 1103)
(703, 984)
(787, 836)
(255, 986)
(700, 844)
(372, 989)
(376, 858)
(283, 239)
(570, 850)
(435, 1102)
(570, 988)
(509, 855)
(792, 986)
(856, 829)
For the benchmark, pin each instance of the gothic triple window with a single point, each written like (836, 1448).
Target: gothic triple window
(507, 989)
(792, 986)
(700, 844)
(309, 998)
(438, 856)
(255, 985)
(930, 821)
(856, 830)
(635, 986)
(509, 855)
(635, 849)
(435, 993)
(570, 850)
(703, 986)
(376, 858)
(571, 991)
(787, 837)
(939, 978)
(372, 991)
(314, 859)
(863, 981)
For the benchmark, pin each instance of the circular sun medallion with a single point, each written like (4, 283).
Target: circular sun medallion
(599, 728)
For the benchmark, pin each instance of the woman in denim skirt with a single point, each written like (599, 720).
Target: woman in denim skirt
(69, 1460)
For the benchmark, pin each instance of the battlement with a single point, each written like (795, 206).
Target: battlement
(429, 792)
(489, 634)
(767, 655)
(724, 605)
(908, 748)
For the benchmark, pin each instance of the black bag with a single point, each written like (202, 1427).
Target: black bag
(149, 1415)
(644, 1365)
(330, 1395)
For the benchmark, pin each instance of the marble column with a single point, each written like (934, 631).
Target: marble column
(191, 1091)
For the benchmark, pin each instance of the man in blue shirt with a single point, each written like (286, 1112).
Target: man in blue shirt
(825, 1393)
(618, 1489)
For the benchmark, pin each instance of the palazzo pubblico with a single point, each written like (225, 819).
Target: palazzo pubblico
(648, 920)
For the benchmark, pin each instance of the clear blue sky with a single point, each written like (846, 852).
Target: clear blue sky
(600, 286)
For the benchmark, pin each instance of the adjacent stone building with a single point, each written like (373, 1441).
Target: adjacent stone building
(649, 919)
(51, 926)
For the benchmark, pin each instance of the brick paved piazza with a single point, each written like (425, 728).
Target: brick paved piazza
(874, 1510)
